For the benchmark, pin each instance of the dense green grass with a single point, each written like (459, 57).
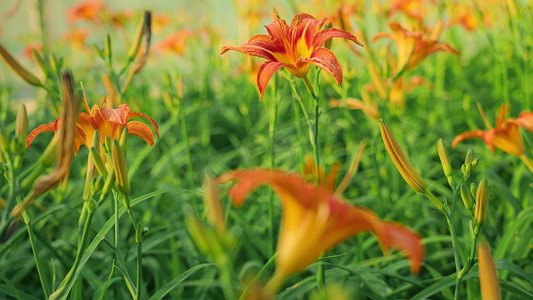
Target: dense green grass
(215, 123)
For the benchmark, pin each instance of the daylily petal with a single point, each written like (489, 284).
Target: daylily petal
(525, 120)
(260, 45)
(134, 114)
(408, 241)
(141, 130)
(314, 220)
(506, 138)
(36, 131)
(328, 33)
(266, 72)
(478, 133)
(118, 115)
(353, 103)
(306, 30)
(326, 60)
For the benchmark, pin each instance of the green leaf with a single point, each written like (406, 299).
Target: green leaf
(162, 292)
(101, 235)
(521, 222)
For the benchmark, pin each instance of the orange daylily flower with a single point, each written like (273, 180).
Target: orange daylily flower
(525, 120)
(506, 134)
(76, 37)
(87, 10)
(294, 47)
(108, 122)
(175, 42)
(412, 8)
(28, 50)
(119, 19)
(315, 219)
(413, 47)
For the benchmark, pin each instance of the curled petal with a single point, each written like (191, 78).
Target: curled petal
(141, 130)
(326, 34)
(506, 138)
(266, 72)
(260, 45)
(525, 120)
(478, 133)
(381, 35)
(407, 241)
(353, 103)
(36, 131)
(134, 114)
(118, 115)
(326, 60)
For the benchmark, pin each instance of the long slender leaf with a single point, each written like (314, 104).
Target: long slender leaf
(176, 281)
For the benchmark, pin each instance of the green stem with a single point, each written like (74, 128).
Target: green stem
(60, 292)
(38, 265)
(466, 268)
(315, 128)
(185, 134)
(138, 241)
(13, 187)
(272, 133)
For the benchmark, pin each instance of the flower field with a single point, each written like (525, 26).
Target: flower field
(262, 149)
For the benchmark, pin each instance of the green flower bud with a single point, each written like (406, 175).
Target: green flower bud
(445, 161)
(121, 168)
(482, 204)
(467, 198)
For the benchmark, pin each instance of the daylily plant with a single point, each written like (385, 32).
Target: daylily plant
(413, 47)
(505, 136)
(108, 122)
(294, 47)
(315, 219)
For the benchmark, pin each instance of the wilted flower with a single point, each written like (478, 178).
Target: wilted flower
(294, 47)
(87, 11)
(65, 137)
(413, 47)
(108, 122)
(315, 220)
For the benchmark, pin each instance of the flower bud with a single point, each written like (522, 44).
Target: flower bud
(121, 168)
(403, 165)
(18, 68)
(482, 204)
(475, 162)
(213, 204)
(473, 189)
(139, 35)
(123, 143)
(469, 156)
(488, 279)
(2, 203)
(467, 198)
(108, 185)
(49, 156)
(445, 161)
(4, 144)
(98, 162)
(21, 130)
